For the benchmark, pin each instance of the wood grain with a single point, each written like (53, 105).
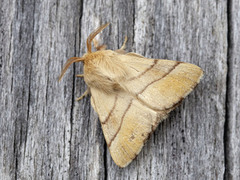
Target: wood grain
(46, 134)
(232, 126)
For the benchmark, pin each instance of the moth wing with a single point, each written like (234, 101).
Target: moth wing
(126, 123)
(159, 84)
(152, 89)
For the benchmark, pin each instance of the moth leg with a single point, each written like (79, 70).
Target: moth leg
(97, 46)
(80, 75)
(84, 94)
(121, 50)
(124, 44)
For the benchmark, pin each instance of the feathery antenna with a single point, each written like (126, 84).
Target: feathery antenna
(92, 36)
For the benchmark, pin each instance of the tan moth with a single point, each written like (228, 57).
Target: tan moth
(132, 94)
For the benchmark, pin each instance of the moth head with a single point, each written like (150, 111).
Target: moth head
(89, 50)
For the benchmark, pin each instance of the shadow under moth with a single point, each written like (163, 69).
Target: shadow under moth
(132, 94)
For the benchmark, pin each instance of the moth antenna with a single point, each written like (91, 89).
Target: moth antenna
(67, 64)
(92, 36)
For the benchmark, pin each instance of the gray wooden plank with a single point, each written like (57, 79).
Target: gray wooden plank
(7, 126)
(15, 78)
(36, 114)
(232, 139)
(48, 150)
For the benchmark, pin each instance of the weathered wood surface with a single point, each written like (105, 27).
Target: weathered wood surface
(232, 130)
(46, 134)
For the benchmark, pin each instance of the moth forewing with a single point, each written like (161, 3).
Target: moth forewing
(132, 94)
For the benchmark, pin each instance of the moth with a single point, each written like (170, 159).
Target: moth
(132, 94)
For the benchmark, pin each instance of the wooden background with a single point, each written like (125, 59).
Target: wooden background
(46, 134)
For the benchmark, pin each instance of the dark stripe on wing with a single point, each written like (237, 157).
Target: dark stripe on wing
(177, 63)
(125, 112)
(144, 72)
(110, 113)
